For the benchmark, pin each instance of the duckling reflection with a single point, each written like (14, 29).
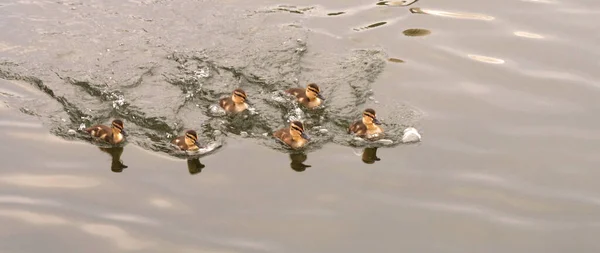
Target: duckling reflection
(369, 155)
(195, 166)
(297, 163)
(117, 165)
(310, 97)
(113, 135)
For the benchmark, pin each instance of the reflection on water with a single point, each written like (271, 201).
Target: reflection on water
(528, 35)
(116, 165)
(486, 59)
(369, 155)
(50, 181)
(460, 15)
(195, 166)
(297, 163)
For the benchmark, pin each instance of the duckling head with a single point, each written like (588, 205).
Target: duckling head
(117, 127)
(313, 91)
(238, 96)
(370, 118)
(297, 130)
(191, 138)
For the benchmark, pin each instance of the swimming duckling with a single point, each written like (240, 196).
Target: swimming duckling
(368, 126)
(311, 97)
(236, 103)
(114, 134)
(293, 136)
(187, 142)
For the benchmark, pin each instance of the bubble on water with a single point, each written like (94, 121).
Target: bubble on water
(265, 134)
(252, 110)
(81, 126)
(385, 141)
(411, 135)
(323, 131)
(202, 73)
(71, 131)
(215, 110)
(244, 134)
(189, 94)
(217, 132)
(118, 102)
(295, 114)
(278, 97)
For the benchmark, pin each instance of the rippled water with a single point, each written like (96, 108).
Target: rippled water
(504, 94)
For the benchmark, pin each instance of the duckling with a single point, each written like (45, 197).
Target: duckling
(310, 97)
(294, 136)
(187, 142)
(236, 103)
(114, 134)
(368, 126)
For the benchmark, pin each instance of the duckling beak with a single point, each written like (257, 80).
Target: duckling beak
(197, 144)
(320, 96)
(124, 133)
(376, 121)
(305, 136)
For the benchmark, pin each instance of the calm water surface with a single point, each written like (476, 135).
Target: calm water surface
(505, 94)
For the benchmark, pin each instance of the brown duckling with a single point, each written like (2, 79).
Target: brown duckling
(310, 97)
(368, 126)
(236, 103)
(114, 134)
(187, 142)
(294, 136)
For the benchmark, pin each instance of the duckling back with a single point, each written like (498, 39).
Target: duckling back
(180, 143)
(101, 132)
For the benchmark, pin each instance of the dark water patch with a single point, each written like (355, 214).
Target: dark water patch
(378, 24)
(416, 32)
(397, 3)
(289, 9)
(395, 60)
(336, 13)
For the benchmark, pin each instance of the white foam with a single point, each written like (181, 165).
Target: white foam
(411, 135)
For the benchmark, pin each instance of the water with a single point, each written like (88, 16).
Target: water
(503, 93)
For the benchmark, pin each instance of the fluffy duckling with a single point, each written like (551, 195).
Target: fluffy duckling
(236, 103)
(294, 136)
(187, 142)
(368, 126)
(310, 97)
(114, 134)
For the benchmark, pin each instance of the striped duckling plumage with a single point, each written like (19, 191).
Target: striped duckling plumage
(367, 126)
(187, 142)
(293, 136)
(235, 103)
(310, 97)
(114, 134)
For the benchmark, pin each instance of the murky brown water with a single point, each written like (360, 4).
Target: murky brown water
(504, 93)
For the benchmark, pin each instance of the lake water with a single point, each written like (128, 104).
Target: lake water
(504, 93)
